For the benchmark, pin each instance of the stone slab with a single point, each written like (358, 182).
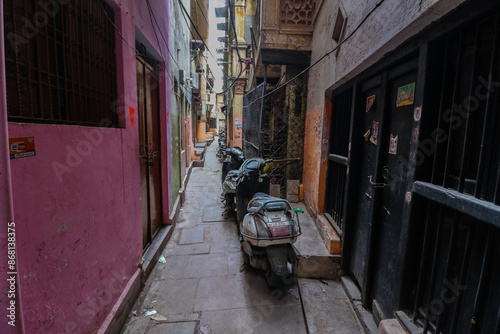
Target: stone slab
(174, 328)
(390, 326)
(175, 266)
(327, 308)
(191, 249)
(136, 325)
(192, 235)
(207, 265)
(214, 214)
(171, 296)
(218, 293)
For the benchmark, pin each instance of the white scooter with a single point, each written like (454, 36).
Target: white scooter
(268, 232)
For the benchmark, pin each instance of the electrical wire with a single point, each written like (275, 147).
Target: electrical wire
(185, 13)
(153, 17)
(322, 57)
(118, 30)
(202, 13)
(154, 30)
(234, 31)
(228, 88)
(137, 51)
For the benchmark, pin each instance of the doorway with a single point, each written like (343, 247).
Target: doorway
(369, 213)
(149, 149)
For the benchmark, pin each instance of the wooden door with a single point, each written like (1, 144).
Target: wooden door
(149, 141)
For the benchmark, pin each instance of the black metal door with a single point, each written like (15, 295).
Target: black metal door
(381, 138)
(365, 157)
(394, 156)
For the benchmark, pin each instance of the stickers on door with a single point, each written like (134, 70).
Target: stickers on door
(393, 144)
(370, 101)
(406, 95)
(374, 136)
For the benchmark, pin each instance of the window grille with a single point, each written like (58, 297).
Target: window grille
(60, 62)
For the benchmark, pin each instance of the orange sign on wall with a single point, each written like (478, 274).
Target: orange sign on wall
(21, 147)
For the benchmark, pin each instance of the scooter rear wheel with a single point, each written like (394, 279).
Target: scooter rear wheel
(273, 281)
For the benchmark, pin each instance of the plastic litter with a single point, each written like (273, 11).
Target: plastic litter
(159, 318)
(148, 313)
(162, 259)
(133, 314)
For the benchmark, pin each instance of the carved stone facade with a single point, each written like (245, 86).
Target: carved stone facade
(239, 86)
(297, 12)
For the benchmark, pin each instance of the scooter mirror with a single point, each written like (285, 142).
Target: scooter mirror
(299, 210)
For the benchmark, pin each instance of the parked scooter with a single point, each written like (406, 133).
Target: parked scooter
(251, 180)
(268, 232)
(230, 177)
(221, 151)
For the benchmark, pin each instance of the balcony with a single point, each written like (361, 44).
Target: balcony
(287, 25)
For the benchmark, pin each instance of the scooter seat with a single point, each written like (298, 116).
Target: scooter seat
(271, 203)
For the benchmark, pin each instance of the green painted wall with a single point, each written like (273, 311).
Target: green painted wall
(176, 154)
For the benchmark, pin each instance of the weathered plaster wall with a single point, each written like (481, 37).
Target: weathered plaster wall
(180, 47)
(79, 228)
(391, 24)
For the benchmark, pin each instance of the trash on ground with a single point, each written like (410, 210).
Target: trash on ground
(148, 313)
(294, 292)
(154, 301)
(133, 314)
(323, 281)
(205, 329)
(162, 259)
(159, 318)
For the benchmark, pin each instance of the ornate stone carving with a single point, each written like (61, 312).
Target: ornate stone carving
(239, 86)
(297, 12)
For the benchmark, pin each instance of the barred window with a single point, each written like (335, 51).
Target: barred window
(60, 62)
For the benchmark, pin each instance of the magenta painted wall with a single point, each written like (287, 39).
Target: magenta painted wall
(79, 228)
(9, 287)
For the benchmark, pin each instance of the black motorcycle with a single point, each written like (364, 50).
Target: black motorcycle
(221, 151)
(251, 180)
(230, 168)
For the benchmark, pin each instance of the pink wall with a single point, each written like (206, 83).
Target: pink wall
(10, 313)
(79, 227)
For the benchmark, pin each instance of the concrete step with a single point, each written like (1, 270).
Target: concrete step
(327, 308)
(314, 260)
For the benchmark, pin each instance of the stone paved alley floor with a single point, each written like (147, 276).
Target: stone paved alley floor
(203, 287)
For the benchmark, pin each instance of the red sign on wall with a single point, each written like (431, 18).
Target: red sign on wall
(21, 147)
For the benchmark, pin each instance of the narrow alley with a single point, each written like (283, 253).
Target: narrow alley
(204, 286)
(373, 123)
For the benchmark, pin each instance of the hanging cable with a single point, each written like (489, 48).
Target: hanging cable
(322, 57)
(228, 88)
(202, 13)
(118, 30)
(153, 17)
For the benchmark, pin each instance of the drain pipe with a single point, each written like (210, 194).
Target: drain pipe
(10, 301)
